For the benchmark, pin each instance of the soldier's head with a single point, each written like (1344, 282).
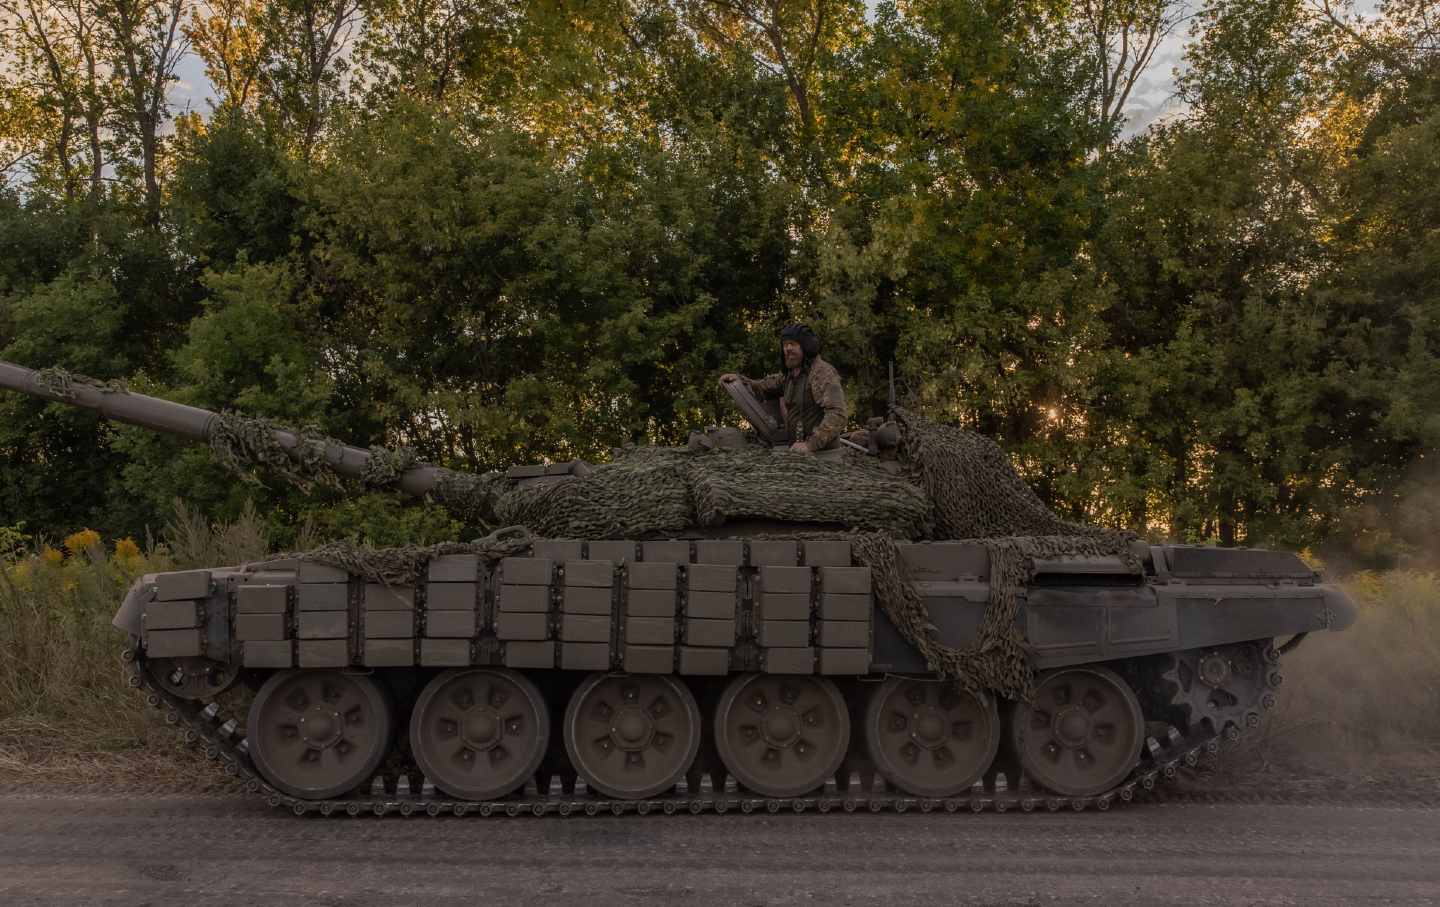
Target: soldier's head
(798, 346)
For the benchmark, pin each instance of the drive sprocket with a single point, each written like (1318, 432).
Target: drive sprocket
(1221, 690)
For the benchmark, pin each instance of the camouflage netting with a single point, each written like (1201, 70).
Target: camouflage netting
(657, 490)
(386, 466)
(245, 445)
(977, 495)
(956, 485)
(404, 565)
(471, 497)
(62, 383)
(975, 491)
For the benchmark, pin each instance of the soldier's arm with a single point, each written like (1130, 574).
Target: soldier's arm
(830, 395)
(767, 387)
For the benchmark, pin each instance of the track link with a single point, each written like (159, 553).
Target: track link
(205, 724)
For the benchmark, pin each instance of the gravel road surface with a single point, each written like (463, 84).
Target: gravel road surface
(81, 849)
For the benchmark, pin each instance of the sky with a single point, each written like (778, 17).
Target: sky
(1154, 94)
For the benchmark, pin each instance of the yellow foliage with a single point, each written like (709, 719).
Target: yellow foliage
(52, 556)
(126, 549)
(1312, 560)
(81, 541)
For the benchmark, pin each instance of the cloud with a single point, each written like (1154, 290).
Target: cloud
(192, 88)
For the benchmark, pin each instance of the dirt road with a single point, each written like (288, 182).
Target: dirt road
(107, 850)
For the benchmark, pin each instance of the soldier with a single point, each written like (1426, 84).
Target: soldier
(812, 402)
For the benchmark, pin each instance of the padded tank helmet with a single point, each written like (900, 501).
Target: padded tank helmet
(803, 335)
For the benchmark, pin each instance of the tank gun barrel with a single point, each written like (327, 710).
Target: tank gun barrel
(190, 422)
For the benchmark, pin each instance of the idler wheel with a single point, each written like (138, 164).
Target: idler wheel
(479, 733)
(319, 734)
(1083, 733)
(782, 735)
(928, 737)
(632, 737)
(191, 677)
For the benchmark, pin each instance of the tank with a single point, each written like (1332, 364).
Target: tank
(728, 627)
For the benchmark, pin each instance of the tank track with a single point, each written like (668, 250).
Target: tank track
(1162, 758)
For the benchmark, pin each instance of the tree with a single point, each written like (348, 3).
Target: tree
(504, 232)
(1123, 36)
(426, 47)
(227, 35)
(306, 41)
(791, 38)
(58, 87)
(144, 44)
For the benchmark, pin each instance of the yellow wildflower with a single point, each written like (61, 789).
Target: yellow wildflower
(81, 541)
(126, 549)
(52, 555)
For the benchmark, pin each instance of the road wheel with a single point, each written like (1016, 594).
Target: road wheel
(319, 734)
(930, 738)
(781, 735)
(632, 737)
(479, 733)
(1083, 733)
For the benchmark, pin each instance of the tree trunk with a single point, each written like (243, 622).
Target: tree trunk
(1179, 523)
(62, 155)
(92, 125)
(149, 146)
(1227, 530)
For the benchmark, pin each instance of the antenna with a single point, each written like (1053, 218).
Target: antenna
(892, 386)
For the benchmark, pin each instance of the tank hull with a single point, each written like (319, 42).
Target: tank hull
(718, 606)
(705, 627)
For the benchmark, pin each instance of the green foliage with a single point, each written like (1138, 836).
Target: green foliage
(385, 520)
(231, 194)
(541, 231)
(13, 539)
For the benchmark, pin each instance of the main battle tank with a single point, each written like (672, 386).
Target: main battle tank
(724, 627)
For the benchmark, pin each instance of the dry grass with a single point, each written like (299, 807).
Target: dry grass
(190, 540)
(38, 755)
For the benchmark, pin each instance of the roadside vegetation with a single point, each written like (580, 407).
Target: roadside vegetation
(538, 235)
(65, 710)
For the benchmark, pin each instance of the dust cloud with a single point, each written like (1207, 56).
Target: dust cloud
(1362, 705)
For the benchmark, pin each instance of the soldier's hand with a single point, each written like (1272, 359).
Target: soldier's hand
(801, 447)
(729, 378)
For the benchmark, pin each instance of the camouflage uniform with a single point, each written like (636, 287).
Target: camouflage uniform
(812, 402)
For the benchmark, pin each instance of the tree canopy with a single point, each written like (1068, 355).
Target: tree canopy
(501, 232)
